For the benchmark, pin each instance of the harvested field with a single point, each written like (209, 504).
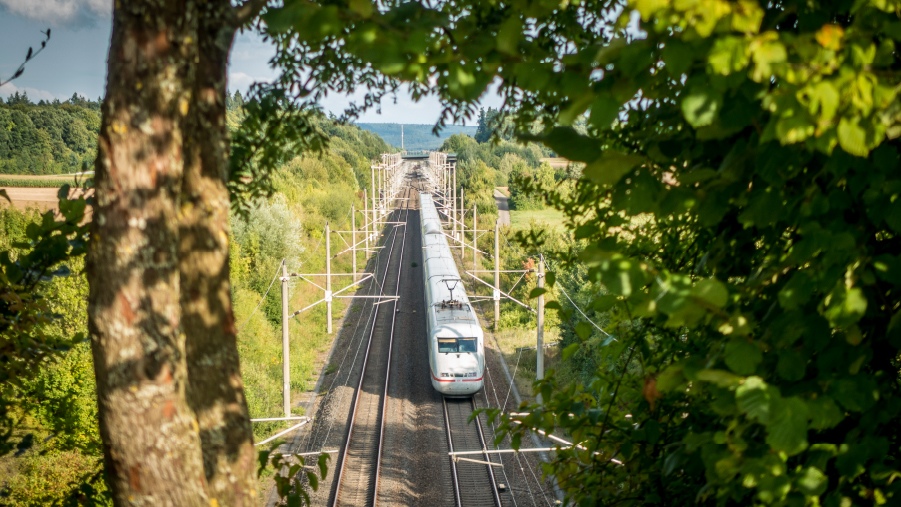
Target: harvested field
(41, 198)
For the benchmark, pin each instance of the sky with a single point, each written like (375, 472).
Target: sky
(75, 59)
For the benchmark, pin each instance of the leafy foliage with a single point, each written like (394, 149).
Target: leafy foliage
(47, 138)
(737, 213)
(26, 342)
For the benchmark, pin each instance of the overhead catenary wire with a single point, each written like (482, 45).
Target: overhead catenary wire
(573, 303)
(263, 298)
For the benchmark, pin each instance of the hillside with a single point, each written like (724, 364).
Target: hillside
(416, 137)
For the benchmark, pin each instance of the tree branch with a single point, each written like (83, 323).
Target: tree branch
(28, 58)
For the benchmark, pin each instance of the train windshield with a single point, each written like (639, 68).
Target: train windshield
(452, 345)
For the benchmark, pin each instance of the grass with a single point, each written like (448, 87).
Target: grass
(260, 344)
(552, 218)
(523, 364)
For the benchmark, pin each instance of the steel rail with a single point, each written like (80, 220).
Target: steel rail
(497, 496)
(450, 444)
(356, 399)
(452, 455)
(383, 407)
(378, 463)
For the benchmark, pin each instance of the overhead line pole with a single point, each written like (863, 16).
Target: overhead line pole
(462, 238)
(475, 237)
(454, 208)
(365, 224)
(286, 374)
(497, 276)
(540, 352)
(328, 279)
(374, 192)
(353, 239)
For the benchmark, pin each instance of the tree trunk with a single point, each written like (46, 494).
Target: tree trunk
(150, 436)
(215, 389)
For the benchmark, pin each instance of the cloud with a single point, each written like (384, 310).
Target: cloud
(61, 12)
(242, 81)
(34, 94)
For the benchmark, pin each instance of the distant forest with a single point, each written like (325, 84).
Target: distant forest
(416, 137)
(47, 137)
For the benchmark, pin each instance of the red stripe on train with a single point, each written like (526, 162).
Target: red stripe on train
(451, 380)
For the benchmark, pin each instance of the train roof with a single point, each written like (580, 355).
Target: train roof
(443, 278)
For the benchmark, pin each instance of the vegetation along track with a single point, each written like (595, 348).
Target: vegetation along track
(358, 471)
(474, 483)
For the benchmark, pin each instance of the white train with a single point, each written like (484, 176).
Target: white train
(456, 341)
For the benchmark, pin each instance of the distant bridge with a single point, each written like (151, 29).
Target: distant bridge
(424, 155)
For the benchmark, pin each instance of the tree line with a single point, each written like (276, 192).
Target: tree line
(53, 137)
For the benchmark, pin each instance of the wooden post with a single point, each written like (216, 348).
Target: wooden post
(328, 279)
(286, 371)
(497, 277)
(539, 374)
(353, 240)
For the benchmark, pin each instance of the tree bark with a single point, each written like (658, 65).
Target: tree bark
(149, 431)
(215, 389)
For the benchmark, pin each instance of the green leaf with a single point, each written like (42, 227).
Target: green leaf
(604, 110)
(857, 393)
(824, 413)
(551, 278)
(791, 365)
(537, 291)
(711, 291)
(701, 105)
(852, 137)
(570, 350)
(583, 330)
(893, 215)
(604, 303)
(721, 378)
(553, 305)
(824, 99)
(811, 481)
(729, 54)
(670, 378)
(845, 306)
(796, 292)
(754, 399)
(742, 357)
(509, 35)
(568, 143)
(787, 429)
(611, 166)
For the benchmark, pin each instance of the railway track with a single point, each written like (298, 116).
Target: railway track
(474, 483)
(359, 469)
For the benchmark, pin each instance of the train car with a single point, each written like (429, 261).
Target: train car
(456, 340)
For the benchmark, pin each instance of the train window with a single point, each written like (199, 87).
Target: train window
(466, 345)
(456, 345)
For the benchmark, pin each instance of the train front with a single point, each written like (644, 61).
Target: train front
(458, 351)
